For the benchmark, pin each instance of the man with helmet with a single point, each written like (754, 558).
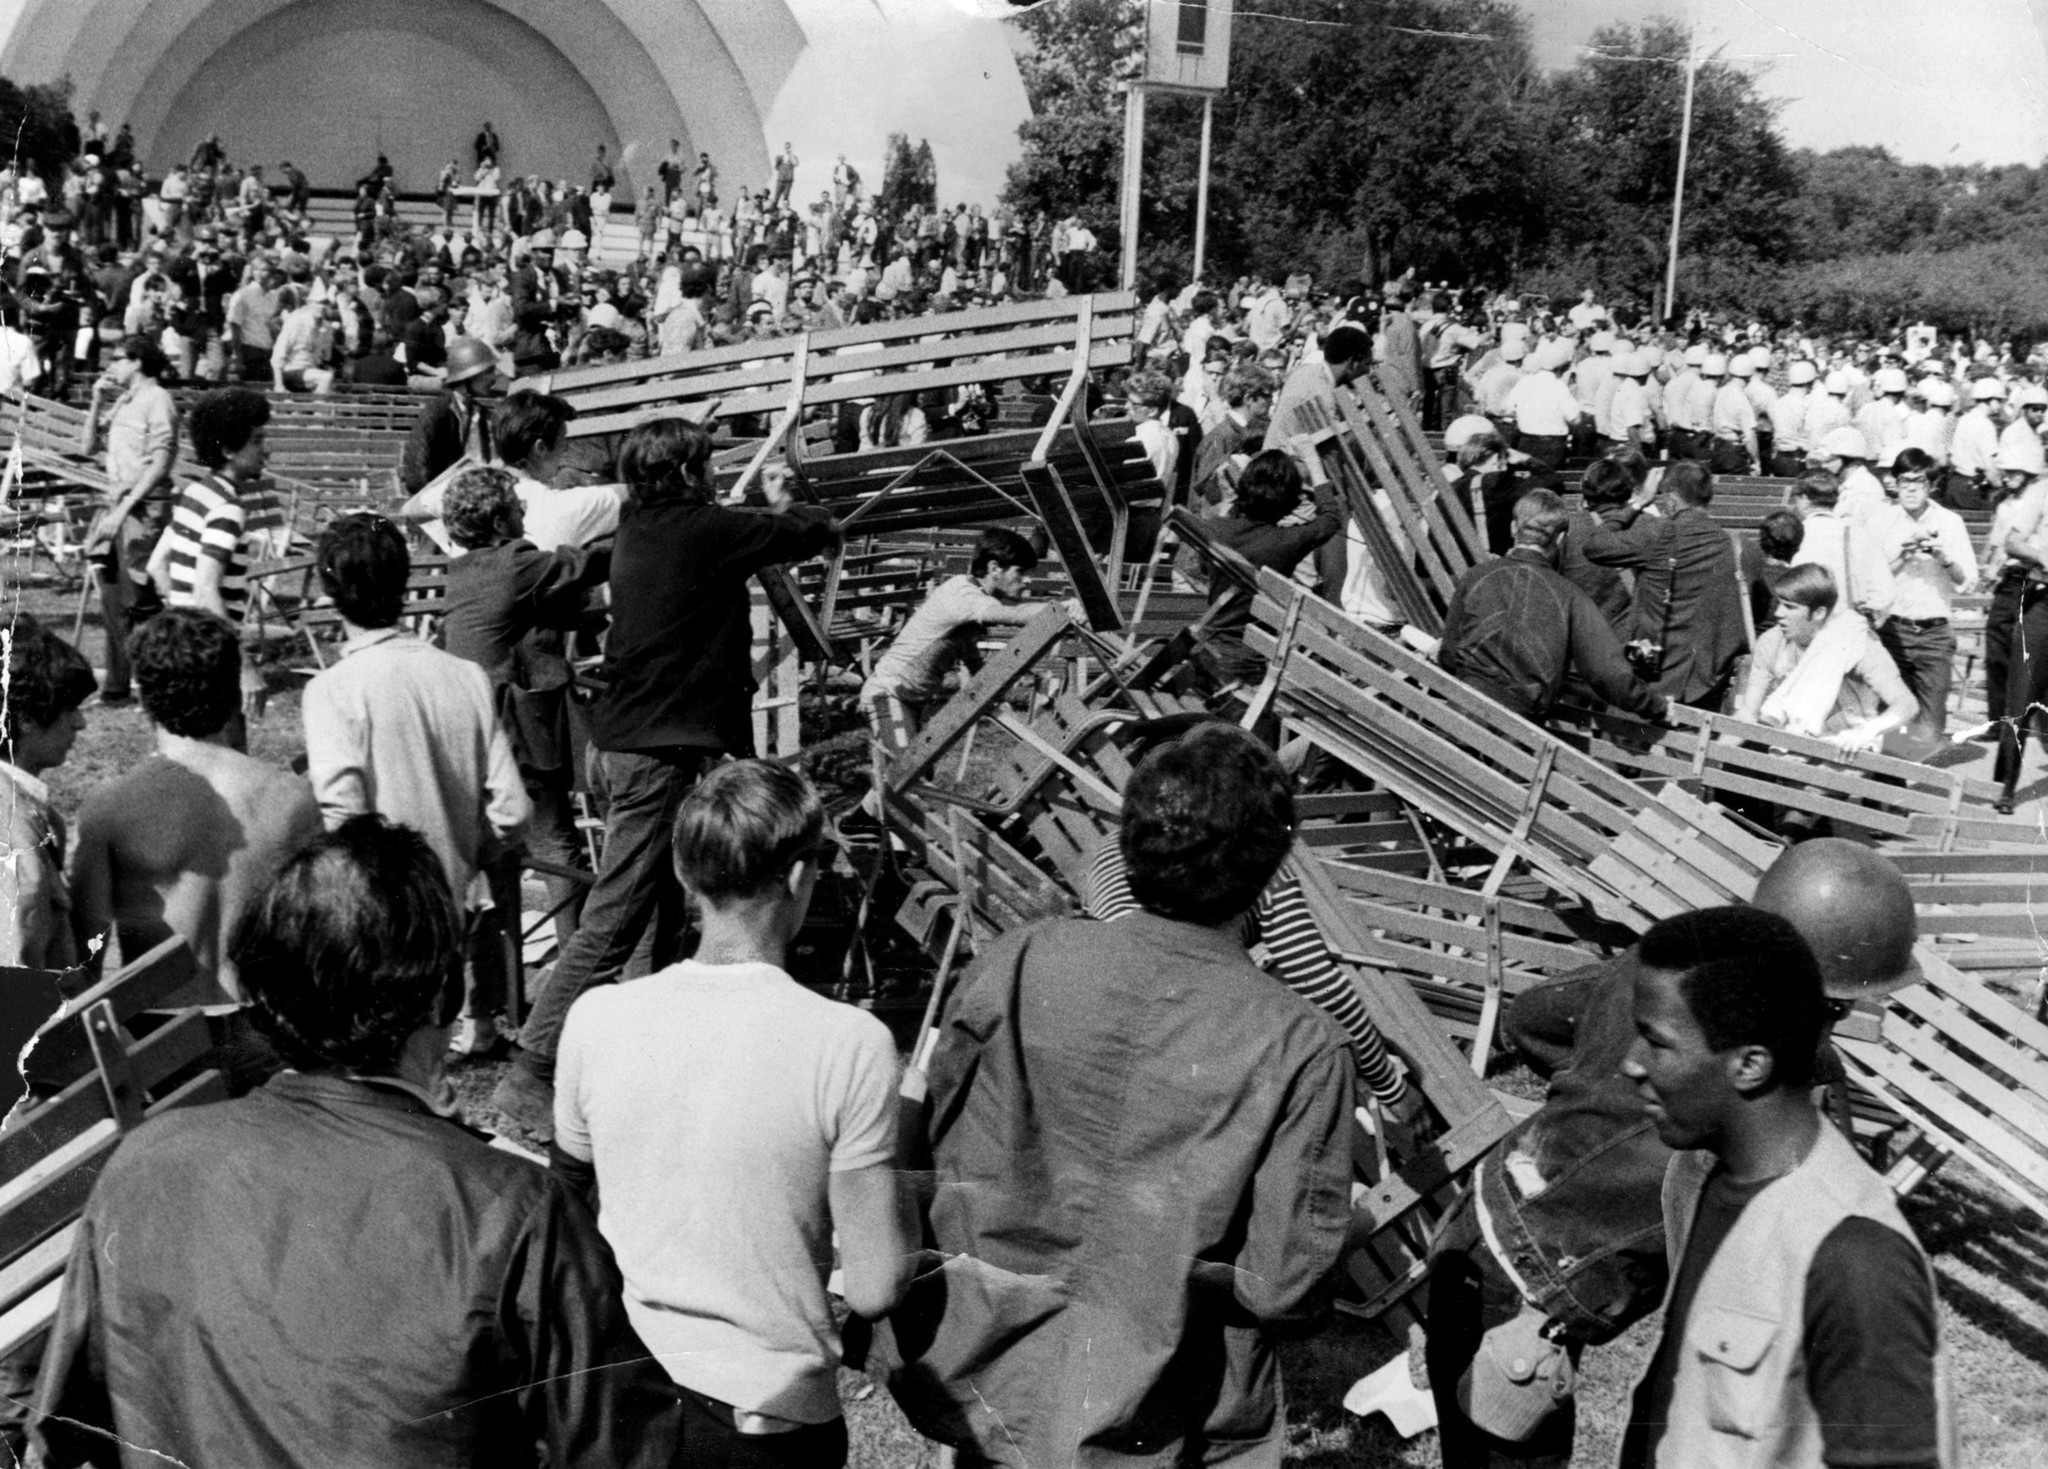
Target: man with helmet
(2029, 410)
(1560, 1245)
(1829, 409)
(2016, 655)
(1928, 424)
(1789, 441)
(1732, 418)
(1681, 440)
(1764, 399)
(1883, 419)
(1543, 408)
(1974, 477)
(455, 423)
(1627, 424)
(2008, 567)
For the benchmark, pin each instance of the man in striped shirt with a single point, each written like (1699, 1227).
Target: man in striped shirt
(203, 559)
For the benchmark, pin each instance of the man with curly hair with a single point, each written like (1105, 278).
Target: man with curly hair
(1141, 1152)
(333, 1269)
(186, 841)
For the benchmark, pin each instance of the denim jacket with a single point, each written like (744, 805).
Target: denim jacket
(1570, 1201)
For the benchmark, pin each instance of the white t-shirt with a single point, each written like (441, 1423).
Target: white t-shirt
(573, 517)
(716, 1101)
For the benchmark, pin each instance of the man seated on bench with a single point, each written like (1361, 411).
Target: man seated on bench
(47, 682)
(910, 676)
(332, 1269)
(184, 842)
(1817, 674)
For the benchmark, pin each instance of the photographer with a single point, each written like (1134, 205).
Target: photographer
(1932, 564)
(56, 296)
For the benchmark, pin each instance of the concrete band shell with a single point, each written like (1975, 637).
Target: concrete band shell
(326, 82)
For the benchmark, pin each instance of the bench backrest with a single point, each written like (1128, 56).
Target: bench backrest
(89, 1084)
(817, 369)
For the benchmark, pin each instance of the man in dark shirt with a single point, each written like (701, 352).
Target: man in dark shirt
(1688, 603)
(1800, 1327)
(1516, 627)
(1142, 1154)
(1269, 493)
(1564, 1218)
(678, 694)
(331, 1270)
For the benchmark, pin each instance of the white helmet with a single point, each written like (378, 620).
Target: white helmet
(1760, 358)
(1938, 393)
(2031, 395)
(1844, 443)
(1740, 366)
(1836, 383)
(575, 239)
(1464, 429)
(2022, 454)
(1715, 365)
(1890, 380)
(1987, 389)
(1695, 354)
(1603, 341)
(1801, 373)
(1514, 349)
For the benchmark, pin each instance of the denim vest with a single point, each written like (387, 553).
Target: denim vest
(1567, 1202)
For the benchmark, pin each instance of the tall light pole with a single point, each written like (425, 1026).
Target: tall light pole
(1692, 71)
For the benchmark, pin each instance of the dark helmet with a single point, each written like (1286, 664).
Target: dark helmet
(1854, 910)
(468, 358)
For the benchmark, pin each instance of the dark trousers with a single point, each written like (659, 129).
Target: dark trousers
(711, 1442)
(1927, 659)
(1728, 457)
(1546, 449)
(1684, 443)
(2001, 621)
(552, 836)
(1963, 492)
(636, 888)
(2026, 685)
(1788, 464)
(1469, 1296)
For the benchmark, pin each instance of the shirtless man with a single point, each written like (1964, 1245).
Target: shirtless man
(184, 841)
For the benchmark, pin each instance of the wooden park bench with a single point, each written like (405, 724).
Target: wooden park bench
(89, 1083)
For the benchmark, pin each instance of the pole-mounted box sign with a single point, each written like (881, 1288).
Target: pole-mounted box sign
(1187, 44)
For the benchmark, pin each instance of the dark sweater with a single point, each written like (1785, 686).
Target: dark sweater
(677, 669)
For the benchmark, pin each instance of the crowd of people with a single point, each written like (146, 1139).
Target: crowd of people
(1127, 1166)
(227, 271)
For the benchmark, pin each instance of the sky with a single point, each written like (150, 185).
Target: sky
(1935, 81)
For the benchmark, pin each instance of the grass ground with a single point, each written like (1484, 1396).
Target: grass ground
(1990, 1256)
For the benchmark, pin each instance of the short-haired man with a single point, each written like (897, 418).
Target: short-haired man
(47, 682)
(332, 1270)
(399, 727)
(1822, 675)
(1688, 608)
(140, 431)
(1852, 552)
(253, 314)
(1800, 1326)
(946, 630)
(1516, 628)
(783, 1102)
(1560, 1244)
(186, 841)
(1932, 563)
(528, 427)
(1141, 1153)
(677, 695)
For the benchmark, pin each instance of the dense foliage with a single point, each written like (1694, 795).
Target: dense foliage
(1367, 138)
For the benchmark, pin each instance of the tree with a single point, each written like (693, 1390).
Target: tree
(908, 177)
(1073, 141)
(1614, 120)
(36, 125)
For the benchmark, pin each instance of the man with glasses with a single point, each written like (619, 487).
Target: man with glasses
(1932, 564)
